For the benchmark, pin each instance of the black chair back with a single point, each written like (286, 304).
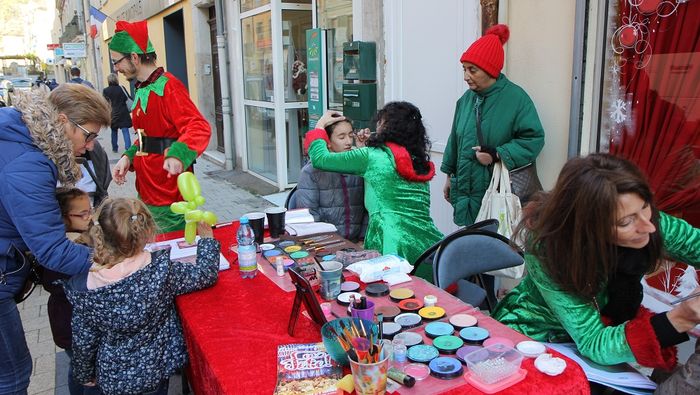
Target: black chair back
(429, 254)
(468, 254)
(290, 203)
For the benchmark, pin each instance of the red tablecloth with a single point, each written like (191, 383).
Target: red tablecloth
(233, 329)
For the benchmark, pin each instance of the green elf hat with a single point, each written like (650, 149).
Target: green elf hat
(131, 37)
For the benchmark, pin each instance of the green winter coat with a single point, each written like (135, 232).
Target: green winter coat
(509, 122)
(540, 309)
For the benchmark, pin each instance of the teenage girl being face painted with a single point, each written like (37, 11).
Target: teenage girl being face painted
(341, 135)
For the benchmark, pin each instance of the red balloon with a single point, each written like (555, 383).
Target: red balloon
(648, 6)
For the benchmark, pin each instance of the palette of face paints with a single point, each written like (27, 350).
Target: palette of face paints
(407, 318)
(303, 254)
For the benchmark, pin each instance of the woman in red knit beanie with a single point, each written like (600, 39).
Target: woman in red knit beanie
(510, 128)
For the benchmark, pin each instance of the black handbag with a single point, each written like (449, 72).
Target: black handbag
(524, 181)
(33, 277)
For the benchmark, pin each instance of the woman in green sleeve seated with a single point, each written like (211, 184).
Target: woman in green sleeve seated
(396, 167)
(588, 243)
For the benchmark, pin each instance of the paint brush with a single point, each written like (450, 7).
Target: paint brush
(683, 299)
(326, 242)
(362, 325)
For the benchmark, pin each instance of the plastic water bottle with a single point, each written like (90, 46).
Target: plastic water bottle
(247, 258)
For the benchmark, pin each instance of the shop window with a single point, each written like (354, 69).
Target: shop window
(650, 112)
(257, 57)
(247, 5)
(336, 17)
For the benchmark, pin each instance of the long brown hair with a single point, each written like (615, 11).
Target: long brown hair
(121, 228)
(571, 229)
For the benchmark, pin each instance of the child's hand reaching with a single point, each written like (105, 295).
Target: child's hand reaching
(361, 137)
(204, 230)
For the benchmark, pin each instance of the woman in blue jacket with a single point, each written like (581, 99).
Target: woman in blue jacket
(40, 137)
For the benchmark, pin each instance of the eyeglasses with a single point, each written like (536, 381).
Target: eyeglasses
(84, 215)
(116, 62)
(89, 136)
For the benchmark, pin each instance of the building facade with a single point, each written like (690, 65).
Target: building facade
(246, 65)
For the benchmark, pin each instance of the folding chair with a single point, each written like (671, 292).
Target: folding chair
(468, 254)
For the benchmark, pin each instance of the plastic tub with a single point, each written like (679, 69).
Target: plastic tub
(493, 363)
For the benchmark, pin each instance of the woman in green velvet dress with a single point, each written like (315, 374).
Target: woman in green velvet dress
(396, 167)
(589, 242)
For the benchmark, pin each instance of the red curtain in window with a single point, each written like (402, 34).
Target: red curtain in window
(663, 87)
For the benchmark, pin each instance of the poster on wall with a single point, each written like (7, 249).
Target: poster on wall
(314, 56)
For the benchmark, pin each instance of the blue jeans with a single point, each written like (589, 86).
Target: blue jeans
(115, 139)
(15, 361)
(74, 387)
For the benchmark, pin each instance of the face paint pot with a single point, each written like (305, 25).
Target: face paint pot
(377, 289)
(432, 313)
(399, 294)
(448, 344)
(410, 305)
(408, 320)
(422, 353)
(410, 338)
(474, 335)
(461, 321)
(390, 312)
(436, 329)
(445, 368)
(349, 286)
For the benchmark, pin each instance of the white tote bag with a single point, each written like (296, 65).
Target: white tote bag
(501, 204)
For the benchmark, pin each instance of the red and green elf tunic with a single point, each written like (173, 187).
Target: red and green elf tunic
(163, 108)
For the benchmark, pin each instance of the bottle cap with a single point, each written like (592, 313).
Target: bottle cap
(430, 300)
(244, 220)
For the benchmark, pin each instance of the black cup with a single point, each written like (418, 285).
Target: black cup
(257, 222)
(275, 221)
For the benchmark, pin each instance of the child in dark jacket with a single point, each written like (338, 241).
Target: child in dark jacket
(77, 213)
(335, 198)
(127, 337)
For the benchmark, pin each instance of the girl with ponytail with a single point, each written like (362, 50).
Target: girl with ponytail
(127, 337)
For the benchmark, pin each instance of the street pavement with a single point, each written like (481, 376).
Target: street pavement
(227, 200)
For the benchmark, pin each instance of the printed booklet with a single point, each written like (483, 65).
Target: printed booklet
(306, 369)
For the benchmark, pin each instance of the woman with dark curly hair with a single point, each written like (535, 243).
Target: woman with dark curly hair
(396, 167)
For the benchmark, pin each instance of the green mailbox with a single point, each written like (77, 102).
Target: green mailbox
(360, 102)
(360, 89)
(360, 60)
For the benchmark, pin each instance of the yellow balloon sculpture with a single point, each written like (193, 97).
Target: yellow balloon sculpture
(190, 190)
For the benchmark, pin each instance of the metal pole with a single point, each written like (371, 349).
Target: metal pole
(222, 49)
(577, 80)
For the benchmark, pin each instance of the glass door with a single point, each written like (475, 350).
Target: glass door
(275, 86)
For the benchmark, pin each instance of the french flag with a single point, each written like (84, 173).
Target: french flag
(96, 19)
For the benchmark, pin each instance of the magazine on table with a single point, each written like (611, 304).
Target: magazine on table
(622, 377)
(306, 369)
(182, 251)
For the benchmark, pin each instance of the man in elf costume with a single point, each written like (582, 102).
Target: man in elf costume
(172, 132)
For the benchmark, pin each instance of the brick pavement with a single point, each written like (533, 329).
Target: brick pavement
(49, 376)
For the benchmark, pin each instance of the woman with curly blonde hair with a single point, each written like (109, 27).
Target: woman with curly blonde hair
(127, 337)
(40, 137)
